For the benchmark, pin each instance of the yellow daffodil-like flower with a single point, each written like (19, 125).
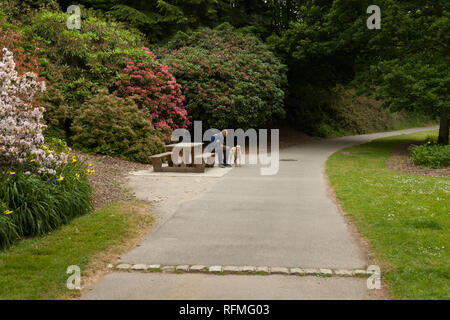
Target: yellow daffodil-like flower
(89, 171)
(8, 212)
(32, 160)
(429, 142)
(12, 173)
(90, 164)
(61, 178)
(74, 160)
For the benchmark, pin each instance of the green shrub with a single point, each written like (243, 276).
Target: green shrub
(80, 62)
(430, 155)
(32, 205)
(115, 126)
(230, 79)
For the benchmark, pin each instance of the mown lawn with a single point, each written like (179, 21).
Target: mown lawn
(36, 268)
(406, 218)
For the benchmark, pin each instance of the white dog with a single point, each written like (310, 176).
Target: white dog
(236, 156)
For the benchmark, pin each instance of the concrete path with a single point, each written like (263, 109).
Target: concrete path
(153, 286)
(287, 220)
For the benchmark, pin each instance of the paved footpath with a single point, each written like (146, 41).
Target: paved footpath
(245, 219)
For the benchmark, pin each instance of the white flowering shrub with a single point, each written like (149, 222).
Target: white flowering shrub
(21, 140)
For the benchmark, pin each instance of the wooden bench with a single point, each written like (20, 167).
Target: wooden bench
(157, 161)
(208, 159)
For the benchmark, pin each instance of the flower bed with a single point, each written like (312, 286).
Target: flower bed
(40, 188)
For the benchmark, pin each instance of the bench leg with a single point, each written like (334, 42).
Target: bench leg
(157, 165)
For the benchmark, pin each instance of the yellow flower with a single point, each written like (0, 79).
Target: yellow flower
(90, 164)
(8, 212)
(12, 173)
(74, 160)
(32, 160)
(61, 178)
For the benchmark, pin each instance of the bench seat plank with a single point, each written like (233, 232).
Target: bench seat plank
(161, 155)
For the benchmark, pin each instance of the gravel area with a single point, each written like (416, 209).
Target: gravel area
(107, 181)
(400, 162)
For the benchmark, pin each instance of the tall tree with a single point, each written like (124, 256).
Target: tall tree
(408, 60)
(405, 63)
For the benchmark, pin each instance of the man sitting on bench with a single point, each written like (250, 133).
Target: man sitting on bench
(218, 144)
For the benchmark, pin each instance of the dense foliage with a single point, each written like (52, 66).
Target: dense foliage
(324, 44)
(26, 60)
(155, 90)
(413, 71)
(115, 126)
(404, 63)
(430, 155)
(230, 79)
(160, 19)
(80, 62)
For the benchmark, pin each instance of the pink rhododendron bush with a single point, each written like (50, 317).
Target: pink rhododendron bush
(156, 90)
(21, 121)
(39, 188)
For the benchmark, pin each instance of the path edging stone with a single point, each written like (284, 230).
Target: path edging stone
(239, 270)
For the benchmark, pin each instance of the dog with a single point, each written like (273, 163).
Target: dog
(236, 156)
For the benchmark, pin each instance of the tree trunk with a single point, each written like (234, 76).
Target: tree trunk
(444, 128)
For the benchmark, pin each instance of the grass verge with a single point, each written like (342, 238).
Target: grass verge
(405, 218)
(36, 268)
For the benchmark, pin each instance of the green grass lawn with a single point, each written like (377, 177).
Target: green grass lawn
(36, 268)
(406, 218)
